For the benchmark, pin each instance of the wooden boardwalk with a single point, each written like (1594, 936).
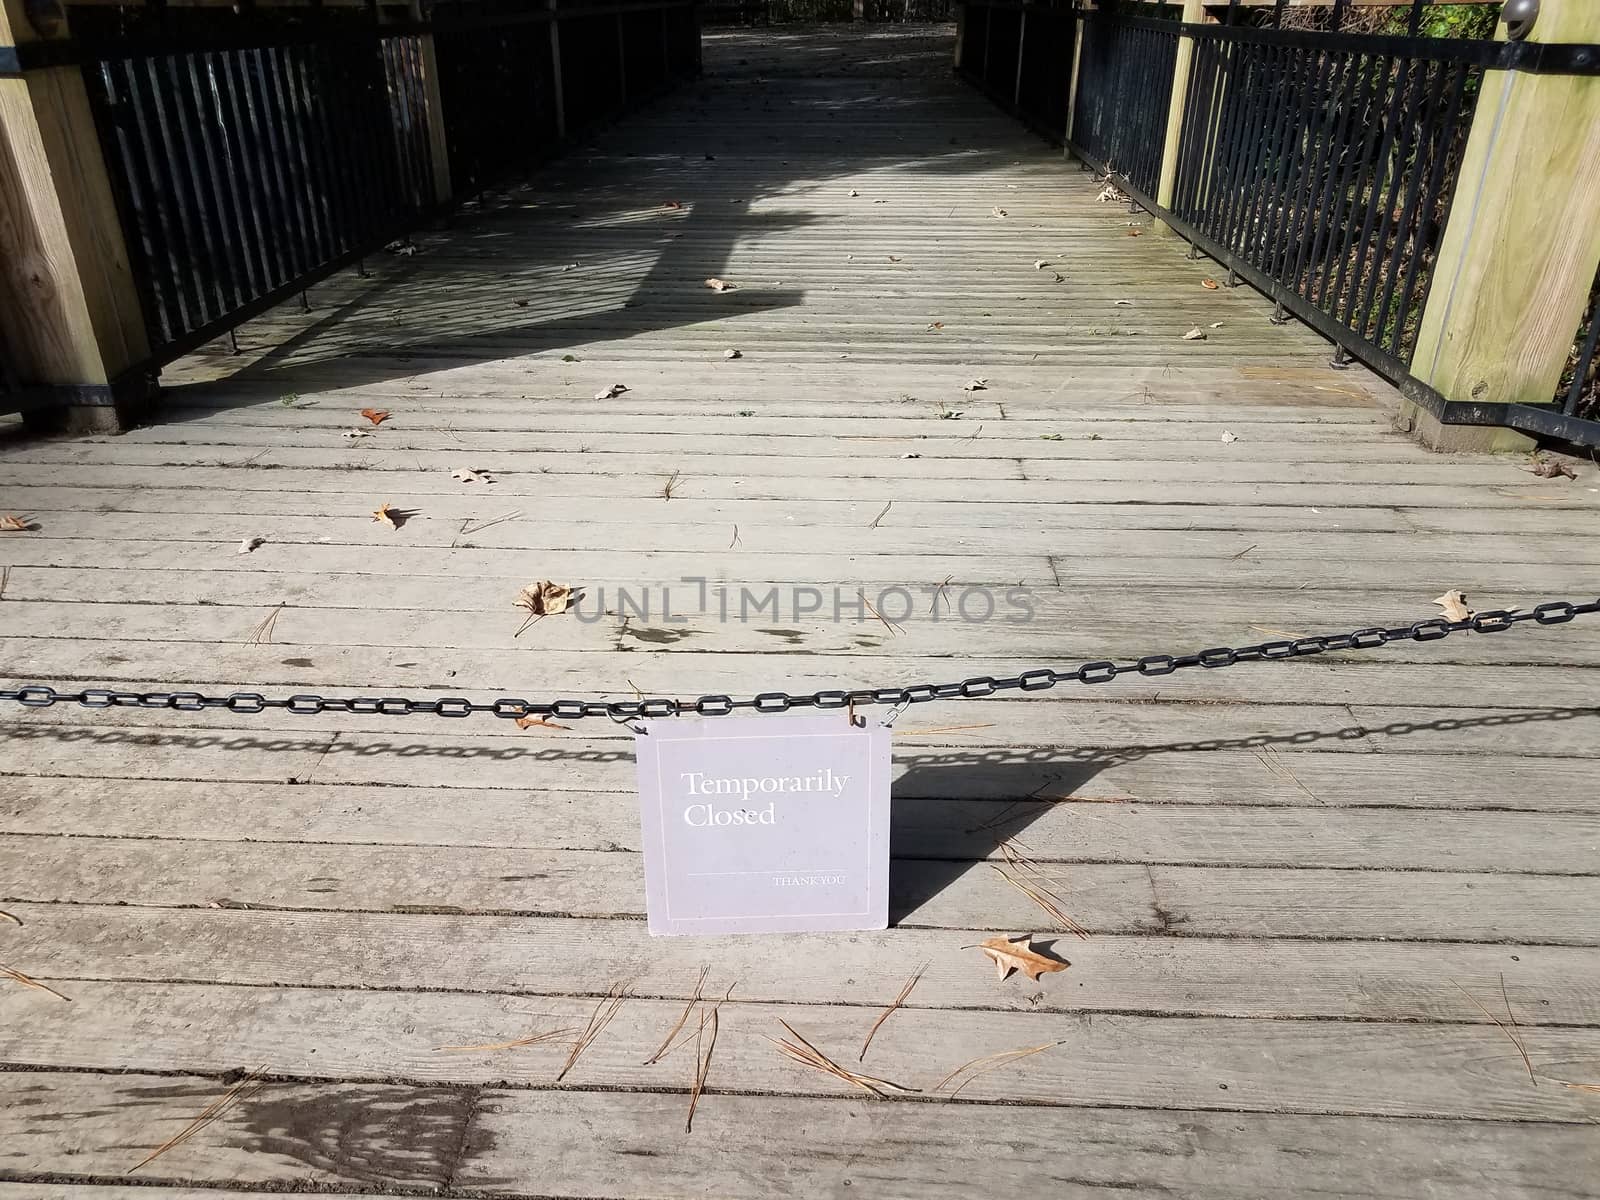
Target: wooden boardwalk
(1333, 903)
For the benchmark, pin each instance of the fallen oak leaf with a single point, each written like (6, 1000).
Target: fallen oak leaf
(529, 722)
(719, 285)
(612, 392)
(246, 545)
(976, 385)
(732, 354)
(671, 204)
(1455, 607)
(11, 524)
(998, 212)
(1228, 436)
(935, 326)
(1017, 954)
(1210, 285)
(376, 415)
(1195, 335)
(357, 433)
(468, 475)
(391, 517)
(542, 599)
(1135, 232)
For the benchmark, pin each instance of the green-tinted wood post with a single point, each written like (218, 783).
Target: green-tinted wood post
(67, 296)
(1194, 12)
(1522, 242)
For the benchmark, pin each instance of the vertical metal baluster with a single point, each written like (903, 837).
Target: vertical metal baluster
(211, 205)
(288, 223)
(1324, 172)
(246, 233)
(1427, 155)
(133, 153)
(182, 252)
(1359, 155)
(1407, 101)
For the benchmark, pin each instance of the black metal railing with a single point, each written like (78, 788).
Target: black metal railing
(1020, 54)
(241, 172)
(253, 152)
(1579, 392)
(1124, 92)
(1327, 164)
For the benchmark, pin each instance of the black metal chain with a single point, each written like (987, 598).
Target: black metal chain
(1554, 612)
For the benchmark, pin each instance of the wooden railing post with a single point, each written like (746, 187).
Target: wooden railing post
(1193, 13)
(438, 143)
(67, 297)
(1522, 241)
(1072, 82)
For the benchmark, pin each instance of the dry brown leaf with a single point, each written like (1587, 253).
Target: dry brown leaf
(1549, 468)
(27, 980)
(528, 722)
(1195, 335)
(1229, 436)
(975, 385)
(545, 599)
(468, 475)
(998, 212)
(13, 524)
(389, 516)
(243, 1090)
(1210, 285)
(612, 392)
(671, 204)
(1017, 954)
(934, 326)
(803, 1052)
(356, 433)
(1455, 607)
(719, 285)
(1135, 232)
(853, 192)
(246, 545)
(376, 415)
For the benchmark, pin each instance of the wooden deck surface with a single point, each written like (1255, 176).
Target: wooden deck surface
(1332, 902)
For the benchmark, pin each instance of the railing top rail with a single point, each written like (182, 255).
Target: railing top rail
(1556, 58)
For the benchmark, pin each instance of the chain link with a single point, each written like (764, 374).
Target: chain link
(1554, 612)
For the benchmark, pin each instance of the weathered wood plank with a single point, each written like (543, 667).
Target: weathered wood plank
(1249, 1065)
(1193, 976)
(1103, 897)
(538, 1143)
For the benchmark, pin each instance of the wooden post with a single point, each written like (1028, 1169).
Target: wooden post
(1194, 11)
(556, 91)
(438, 144)
(1520, 249)
(67, 295)
(1072, 83)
